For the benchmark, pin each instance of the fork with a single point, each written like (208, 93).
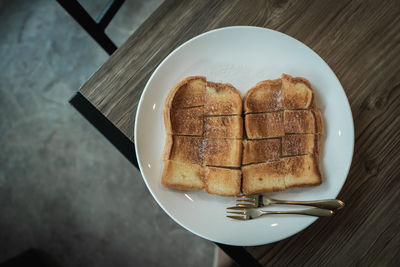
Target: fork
(241, 213)
(255, 201)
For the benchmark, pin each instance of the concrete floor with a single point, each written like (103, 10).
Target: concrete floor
(63, 187)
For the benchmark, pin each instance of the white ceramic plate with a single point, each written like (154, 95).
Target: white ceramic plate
(242, 56)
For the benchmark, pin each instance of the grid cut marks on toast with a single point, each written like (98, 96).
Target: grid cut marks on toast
(299, 130)
(205, 131)
(223, 127)
(212, 142)
(278, 175)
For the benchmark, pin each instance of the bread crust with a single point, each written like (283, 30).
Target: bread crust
(167, 119)
(178, 88)
(222, 99)
(166, 154)
(320, 135)
(294, 95)
(187, 149)
(319, 121)
(182, 176)
(263, 97)
(169, 107)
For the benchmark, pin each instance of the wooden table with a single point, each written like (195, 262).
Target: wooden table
(360, 40)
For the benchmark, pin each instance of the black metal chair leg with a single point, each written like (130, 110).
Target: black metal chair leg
(94, 28)
(106, 127)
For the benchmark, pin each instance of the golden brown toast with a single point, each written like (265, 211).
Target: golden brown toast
(222, 99)
(182, 176)
(264, 177)
(299, 144)
(279, 175)
(256, 151)
(299, 130)
(264, 125)
(222, 181)
(300, 121)
(190, 92)
(187, 149)
(184, 121)
(296, 93)
(223, 127)
(205, 143)
(223, 152)
(302, 171)
(263, 97)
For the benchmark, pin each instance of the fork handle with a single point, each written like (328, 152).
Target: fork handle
(312, 212)
(323, 204)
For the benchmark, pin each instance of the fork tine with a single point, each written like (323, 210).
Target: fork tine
(244, 206)
(237, 212)
(242, 218)
(254, 197)
(235, 208)
(245, 200)
(247, 196)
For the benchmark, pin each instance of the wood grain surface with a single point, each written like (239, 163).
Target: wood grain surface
(360, 40)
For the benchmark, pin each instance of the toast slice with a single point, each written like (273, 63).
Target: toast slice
(279, 175)
(184, 121)
(205, 131)
(190, 92)
(187, 149)
(223, 127)
(222, 181)
(264, 177)
(222, 99)
(182, 176)
(256, 151)
(296, 93)
(223, 152)
(264, 125)
(302, 171)
(263, 97)
(299, 144)
(300, 122)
